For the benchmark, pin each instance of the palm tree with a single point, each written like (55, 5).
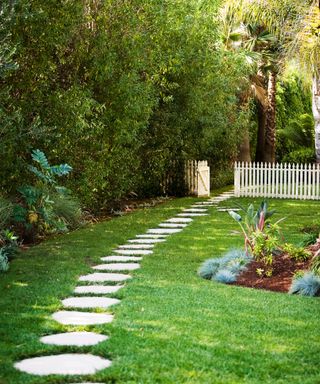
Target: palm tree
(262, 50)
(296, 23)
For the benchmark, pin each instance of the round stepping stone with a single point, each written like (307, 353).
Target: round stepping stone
(121, 258)
(81, 318)
(117, 267)
(78, 339)
(179, 220)
(172, 225)
(66, 364)
(89, 302)
(151, 236)
(98, 289)
(200, 210)
(192, 214)
(157, 231)
(133, 252)
(99, 277)
(136, 246)
(146, 241)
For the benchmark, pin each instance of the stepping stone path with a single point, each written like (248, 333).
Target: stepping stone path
(146, 241)
(81, 318)
(172, 225)
(136, 246)
(117, 267)
(179, 220)
(191, 214)
(66, 364)
(121, 258)
(101, 277)
(98, 289)
(133, 252)
(170, 231)
(89, 302)
(126, 258)
(78, 339)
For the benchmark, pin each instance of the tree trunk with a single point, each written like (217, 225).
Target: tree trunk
(270, 132)
(261, 132)
(316, 114)
(244, 149)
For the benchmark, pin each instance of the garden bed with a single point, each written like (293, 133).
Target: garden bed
(284, 269)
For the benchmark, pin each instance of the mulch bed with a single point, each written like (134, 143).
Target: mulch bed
(283, 270)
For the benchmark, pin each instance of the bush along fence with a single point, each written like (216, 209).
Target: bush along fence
(191, 177)
(294, 181)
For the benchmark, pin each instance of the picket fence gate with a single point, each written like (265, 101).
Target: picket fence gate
(197, 177)
(189, 177)
(294, 181)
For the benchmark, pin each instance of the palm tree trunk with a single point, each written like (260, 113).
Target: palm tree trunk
(316, 114)
(244, 149)
(261, 132)
(270, 132)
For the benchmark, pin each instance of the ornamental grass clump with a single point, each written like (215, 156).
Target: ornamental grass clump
(225, 269)
(306, 285)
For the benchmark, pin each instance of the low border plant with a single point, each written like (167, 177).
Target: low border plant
(225, 269)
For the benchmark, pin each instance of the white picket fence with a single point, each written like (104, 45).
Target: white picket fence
(294, 181)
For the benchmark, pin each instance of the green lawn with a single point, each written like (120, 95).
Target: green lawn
(171, 326)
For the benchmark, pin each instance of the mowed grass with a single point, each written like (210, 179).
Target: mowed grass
(171, 326)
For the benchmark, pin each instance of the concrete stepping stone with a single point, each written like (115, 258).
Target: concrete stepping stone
(179, 220)
(191, 214)
(121, 258)
(146, 241)
(98, 289)
(136, 246)
(65, 364)
(78, 339)
(81, 318)
(100, 277)
(173, 225)
(152, 236)
(168, 231)
(89, 302)
(132, 252)
(228, 209)
(117, 267)
(196, 210)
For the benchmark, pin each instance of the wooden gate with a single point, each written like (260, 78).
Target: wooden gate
(197, 177)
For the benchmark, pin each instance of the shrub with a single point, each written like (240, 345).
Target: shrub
(209, 268)
(260, 236)
(307, 285)
(225, 276)
(37, 213)
(296, 253)
(68, 209)
(233, 262)
(315, 265)
(309, 239)
(300, 156)
(4, 262)
(6, 210)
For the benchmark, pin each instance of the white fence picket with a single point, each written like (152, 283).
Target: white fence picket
(296, 181)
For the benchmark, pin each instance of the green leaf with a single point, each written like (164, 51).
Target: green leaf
(40, 158)
(235, 216)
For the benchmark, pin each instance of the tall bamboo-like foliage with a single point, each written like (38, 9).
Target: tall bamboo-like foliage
(118, 89)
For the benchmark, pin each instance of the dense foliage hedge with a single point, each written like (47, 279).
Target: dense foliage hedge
(117, 89)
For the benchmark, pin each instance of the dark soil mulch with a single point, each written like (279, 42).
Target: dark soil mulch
(283, 270)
